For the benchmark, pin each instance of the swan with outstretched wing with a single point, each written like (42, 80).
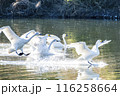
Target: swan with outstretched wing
(86, 53)
(17, 42)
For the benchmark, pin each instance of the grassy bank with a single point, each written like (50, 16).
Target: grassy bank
(109, 9)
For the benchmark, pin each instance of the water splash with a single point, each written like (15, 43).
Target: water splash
(47, 65)
(53, 63)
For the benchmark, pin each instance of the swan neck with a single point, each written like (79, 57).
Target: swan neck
(97, 48)
(64, 41)
(9, 33)
(31, 37)
(51, 44)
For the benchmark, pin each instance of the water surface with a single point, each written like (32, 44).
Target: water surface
(63, 68)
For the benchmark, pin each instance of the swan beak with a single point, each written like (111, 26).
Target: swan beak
(40, 34)
(101, 41)
(49, 35)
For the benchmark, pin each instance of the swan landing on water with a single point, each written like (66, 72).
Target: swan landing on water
(42, 46)
(88, 54)
(17, 42)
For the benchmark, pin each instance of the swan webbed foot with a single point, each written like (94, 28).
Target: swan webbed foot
(26, 54)
(20, 54)
(90, 64)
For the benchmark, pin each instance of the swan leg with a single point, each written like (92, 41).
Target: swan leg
(27, 54)
(24, 53)
(20, 54)
(90, 64)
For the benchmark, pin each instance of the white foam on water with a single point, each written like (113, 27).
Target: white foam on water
(48, 64)
(0, 31)
(100, 64)
(54, 60)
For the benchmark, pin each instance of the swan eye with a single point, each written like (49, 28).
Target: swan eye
(57, 41)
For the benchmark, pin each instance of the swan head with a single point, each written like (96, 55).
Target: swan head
(31, 33)
(1, 30)
(37, 33)
(4, 27)
(11, 50)
(64, 35)
(56, 40)
(47, 35)
(98, 42)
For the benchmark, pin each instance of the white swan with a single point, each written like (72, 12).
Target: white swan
(40, 47)
(49, 39)
(17, 42)
(39, 44)
(37, 40)
(65, 44)
(57, 44)
(30, 33)
(87, 54)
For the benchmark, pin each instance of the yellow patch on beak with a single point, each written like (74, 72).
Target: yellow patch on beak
(100, 40)
(48, 34)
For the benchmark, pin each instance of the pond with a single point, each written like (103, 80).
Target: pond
(63, 67)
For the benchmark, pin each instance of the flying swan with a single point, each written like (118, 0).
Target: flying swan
(88, 54)
(17, 42)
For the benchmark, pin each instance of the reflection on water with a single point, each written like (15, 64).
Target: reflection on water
(67, 68)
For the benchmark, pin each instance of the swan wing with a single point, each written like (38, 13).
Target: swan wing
(80, 47)
(84, 48)
(10, 34)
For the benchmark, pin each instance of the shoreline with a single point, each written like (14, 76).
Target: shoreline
(37, 17)
(60, 9)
